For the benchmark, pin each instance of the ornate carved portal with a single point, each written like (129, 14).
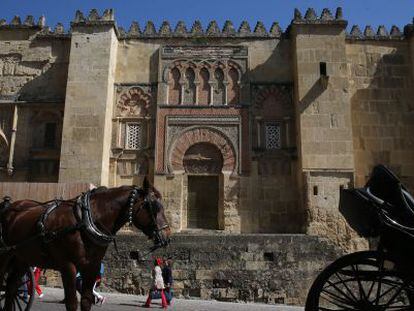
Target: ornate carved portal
(196, 149)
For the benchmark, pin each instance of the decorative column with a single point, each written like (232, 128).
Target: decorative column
(225, 83)
(211, 83)
(10, 167)
(286, 121)
(259, 132)
(182, 85)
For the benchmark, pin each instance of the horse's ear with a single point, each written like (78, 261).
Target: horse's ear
(146, 185)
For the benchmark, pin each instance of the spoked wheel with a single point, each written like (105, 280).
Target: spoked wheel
(23, 298)
(365, 281)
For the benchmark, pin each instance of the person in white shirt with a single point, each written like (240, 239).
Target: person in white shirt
(157, 290)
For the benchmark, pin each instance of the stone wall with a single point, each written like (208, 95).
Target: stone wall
(269, 200)
(258, 268)
(32, 68)
(322, 190)
(269, 55)
(381, 92)
(30, 141)
(323, 120)
(33, 75)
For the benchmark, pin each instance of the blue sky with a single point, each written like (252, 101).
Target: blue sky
(361, 12)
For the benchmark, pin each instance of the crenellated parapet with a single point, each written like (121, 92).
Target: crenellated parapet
(94, 18)
(38, 26)
(381, 33)
(196, 30)
(325, 18)
(212, 30)
(28, 23)
(58, 32)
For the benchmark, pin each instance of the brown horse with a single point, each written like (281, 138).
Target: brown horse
(74, 240)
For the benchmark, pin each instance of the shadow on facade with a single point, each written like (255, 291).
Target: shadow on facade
(383, 111)
(274, 196)
(50, 85)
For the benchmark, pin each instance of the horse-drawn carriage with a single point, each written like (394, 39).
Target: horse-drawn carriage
(70, 236)
(380, 279)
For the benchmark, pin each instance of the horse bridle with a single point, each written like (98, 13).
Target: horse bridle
(158, 237)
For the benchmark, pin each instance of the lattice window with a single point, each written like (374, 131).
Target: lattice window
(272, 136)
(133, 136)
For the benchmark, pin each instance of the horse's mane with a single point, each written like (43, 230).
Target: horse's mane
(103, 189)
(100, 189)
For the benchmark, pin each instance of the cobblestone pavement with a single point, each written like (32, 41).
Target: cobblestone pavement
(129, 302)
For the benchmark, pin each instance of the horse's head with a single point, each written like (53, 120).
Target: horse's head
(146, 212)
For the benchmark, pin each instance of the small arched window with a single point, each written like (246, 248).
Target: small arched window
(219, 91)
(233, 91)
(190, 89)
(204, 93)
(174, 93)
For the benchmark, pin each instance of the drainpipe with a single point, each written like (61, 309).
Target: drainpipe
(10, 168)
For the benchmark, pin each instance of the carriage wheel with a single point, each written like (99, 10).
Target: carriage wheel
(24, 297)
(365, 281)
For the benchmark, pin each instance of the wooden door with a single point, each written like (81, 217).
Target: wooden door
(203, 198)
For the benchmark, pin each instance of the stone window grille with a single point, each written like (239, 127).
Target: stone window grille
(133, 136)
(272, 136)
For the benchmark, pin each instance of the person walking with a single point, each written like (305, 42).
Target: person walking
(37, 272)
(168, 279)
(99, 299)
(157, 289)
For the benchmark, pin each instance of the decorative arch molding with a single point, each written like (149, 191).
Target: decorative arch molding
(197, 65)
(134, 101)
(281, 93)
(195, 135)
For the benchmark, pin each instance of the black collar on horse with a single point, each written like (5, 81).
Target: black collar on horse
(73, 235)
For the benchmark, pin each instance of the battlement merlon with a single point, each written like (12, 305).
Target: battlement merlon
(28, 23)
(107, 19)
(409, 30)
(326, 18)
(382, 33)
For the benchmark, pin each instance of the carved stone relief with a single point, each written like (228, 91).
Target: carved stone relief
(133, 101)
(201, 135)
(219, 75)
(203, 158)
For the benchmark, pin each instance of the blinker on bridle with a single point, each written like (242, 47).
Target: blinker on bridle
(132, 200)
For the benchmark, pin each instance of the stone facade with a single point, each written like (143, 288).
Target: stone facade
(278, 121)
(274, 269)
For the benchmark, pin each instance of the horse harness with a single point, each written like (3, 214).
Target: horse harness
(85, 222)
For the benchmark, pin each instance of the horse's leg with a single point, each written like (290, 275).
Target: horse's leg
(88, 281)
(13, 281)
(69, 284)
